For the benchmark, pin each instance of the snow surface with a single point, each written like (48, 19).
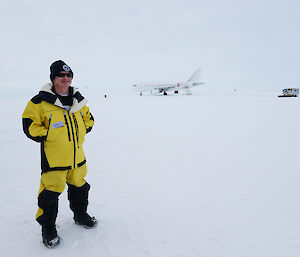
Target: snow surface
(214, 174)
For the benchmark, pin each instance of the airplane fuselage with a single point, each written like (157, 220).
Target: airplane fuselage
(173, 86)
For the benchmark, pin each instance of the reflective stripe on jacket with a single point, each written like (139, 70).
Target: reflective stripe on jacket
(60, 132)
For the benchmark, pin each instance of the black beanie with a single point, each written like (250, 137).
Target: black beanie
(57, 67)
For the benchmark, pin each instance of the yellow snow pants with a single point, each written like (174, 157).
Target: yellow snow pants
(55, 181)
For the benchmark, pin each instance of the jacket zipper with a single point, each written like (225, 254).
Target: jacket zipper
(77, 130)
(67, 124)
(73, 141)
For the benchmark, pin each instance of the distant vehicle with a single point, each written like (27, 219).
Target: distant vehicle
(163, 88)
(290, 92)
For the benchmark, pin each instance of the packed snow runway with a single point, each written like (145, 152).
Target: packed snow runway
(214, 174)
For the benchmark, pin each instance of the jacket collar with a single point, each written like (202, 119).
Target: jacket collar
(49, 96)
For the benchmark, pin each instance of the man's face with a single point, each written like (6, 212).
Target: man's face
(62, 81)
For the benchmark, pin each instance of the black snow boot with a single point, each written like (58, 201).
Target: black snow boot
(85, 220)
(50, 237)
(78, 197)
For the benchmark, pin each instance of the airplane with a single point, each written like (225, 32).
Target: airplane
(193, 81)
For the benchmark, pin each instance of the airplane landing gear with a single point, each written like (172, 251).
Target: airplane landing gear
(165, 93)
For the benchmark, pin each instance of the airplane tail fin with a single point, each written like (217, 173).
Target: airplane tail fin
(196, 76)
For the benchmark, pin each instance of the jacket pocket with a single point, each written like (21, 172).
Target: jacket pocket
(76, 129)
(67, 124)
(49, 125)
(83, 123)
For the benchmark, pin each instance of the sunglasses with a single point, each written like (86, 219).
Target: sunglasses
(61, 75)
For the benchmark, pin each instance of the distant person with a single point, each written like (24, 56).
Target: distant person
(58, 119)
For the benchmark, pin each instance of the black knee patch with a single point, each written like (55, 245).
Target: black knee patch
(48, 202)
(78, 197)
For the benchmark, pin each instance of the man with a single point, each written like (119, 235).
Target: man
(58, 119)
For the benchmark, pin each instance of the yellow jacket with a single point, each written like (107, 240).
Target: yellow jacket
(60, 132)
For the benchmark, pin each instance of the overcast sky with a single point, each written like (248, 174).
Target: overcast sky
(250, 43)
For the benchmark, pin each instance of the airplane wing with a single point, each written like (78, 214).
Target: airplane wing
(164, 88)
